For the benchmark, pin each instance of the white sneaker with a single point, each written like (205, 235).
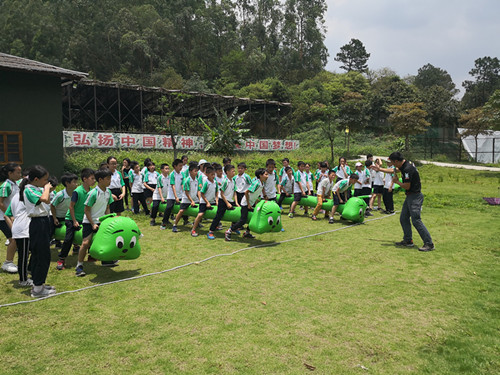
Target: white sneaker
(43, 293)
(7, 243)
(9, 267)
(28, 282)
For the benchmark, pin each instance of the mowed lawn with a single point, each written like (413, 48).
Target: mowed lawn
(344, 302)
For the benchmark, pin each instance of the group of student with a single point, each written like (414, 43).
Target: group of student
(30, 210)
(226, 186)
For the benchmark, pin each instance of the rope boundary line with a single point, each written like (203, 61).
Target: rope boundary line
(190, 263)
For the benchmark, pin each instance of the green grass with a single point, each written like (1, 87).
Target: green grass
(341, 301)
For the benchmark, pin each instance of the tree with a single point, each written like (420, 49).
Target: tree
(225, 133)
(492, 110)
(487, 73)
(440, 105)
(303, 33)
(387, 91)
(429, 76)
(353, 112)
(353, 56)
(329, 126)
(475, 123)
(408, 119)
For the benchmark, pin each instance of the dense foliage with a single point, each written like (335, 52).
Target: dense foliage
(266, 49)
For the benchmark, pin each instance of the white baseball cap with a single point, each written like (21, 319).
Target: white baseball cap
(358, 164)
(202, 161)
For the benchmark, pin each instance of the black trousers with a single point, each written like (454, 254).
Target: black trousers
(168, 211)
(282, 198)
(154, 208)
(23, 250)
(239, 197)
(39, 246)
(388, 199)
(221, 210)
(68, 238)
(139, 197)
(243, 219)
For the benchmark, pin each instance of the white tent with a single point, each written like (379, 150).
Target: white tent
(488, 146)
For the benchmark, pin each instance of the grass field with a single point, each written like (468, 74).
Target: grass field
(344, 302)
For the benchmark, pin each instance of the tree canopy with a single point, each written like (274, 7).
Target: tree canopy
(353, 56)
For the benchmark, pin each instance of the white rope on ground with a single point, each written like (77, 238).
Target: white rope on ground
(189, 264)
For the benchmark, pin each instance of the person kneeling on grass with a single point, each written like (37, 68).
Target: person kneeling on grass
(340, 193)
(96, 205)
(251, 197)
(324, 189)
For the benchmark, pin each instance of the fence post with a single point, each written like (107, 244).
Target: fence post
(493, 151)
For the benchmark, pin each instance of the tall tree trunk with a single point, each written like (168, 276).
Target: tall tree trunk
(331, 150)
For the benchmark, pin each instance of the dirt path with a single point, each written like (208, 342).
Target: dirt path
(449, 165)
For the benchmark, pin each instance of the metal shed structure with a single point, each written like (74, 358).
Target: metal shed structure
(95, 105)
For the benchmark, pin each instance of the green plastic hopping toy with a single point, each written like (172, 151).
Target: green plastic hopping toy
(117, 238)
(266, 216)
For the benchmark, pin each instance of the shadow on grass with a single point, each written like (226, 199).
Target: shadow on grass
(98, 274)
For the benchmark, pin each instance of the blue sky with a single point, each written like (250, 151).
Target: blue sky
(404, 35)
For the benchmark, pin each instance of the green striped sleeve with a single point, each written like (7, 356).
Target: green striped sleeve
(255, 184)
(8, 213)
(33, 195)
(58, 198)
(91, 198)
(122, 183)
(5, 190)
(110, 200)
(248, 180)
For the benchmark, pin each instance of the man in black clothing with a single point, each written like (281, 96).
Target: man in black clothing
(412, 205)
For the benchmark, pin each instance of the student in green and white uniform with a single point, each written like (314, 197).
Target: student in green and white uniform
(226, 197)
(96, 205)
(339, 192)
(310, 179)
(151, 177)
(137, 188)
(190, 186)
(387, 196)
(342, 171)
(286, 163)
(272, 181)
(9, 173)
(20, 233)
(300, 187)
(252, 195)
(59, 205)
(209, 196)
(174, 193)
(74, 216)
(36, 192)
(161, 192)
(286, 185)
(242, 181)
(117, 187)
(323, 193)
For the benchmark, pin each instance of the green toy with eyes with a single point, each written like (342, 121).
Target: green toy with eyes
(354, 209)
(266, 216)
(117, 238)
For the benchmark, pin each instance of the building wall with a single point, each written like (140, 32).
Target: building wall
(31, 103)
